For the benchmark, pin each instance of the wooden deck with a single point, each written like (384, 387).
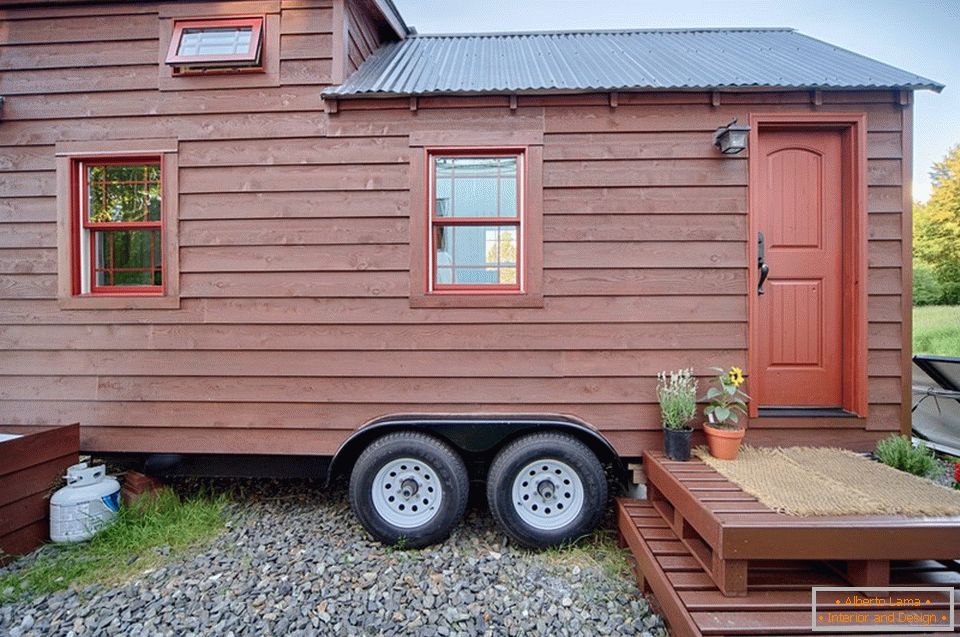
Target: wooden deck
(30, 467)
(719, 562)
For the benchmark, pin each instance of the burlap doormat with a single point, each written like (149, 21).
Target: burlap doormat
(809, 481)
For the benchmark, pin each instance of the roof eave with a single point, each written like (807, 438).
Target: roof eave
(392, 15)
(333, 92)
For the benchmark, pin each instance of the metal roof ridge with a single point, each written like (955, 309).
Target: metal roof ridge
(499, 34)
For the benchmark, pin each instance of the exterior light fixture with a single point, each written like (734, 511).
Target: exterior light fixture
(732, 138)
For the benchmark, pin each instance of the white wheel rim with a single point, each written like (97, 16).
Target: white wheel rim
(547, 494)
(407, 493)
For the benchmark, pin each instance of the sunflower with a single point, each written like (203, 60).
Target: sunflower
(735, 376)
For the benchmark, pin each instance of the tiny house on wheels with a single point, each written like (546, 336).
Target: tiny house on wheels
(261, 235)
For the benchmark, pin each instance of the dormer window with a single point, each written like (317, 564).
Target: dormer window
(216, 45)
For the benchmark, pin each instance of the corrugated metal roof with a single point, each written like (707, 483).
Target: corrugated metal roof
(657, 59)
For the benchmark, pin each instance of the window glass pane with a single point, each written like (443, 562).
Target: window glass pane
(444, 190)
(508, 197)
(215, 41)
(127, 258)
(475, 197)
(119, 193)
(476, 255)
(476, 186)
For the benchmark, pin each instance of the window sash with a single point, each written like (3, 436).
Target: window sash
(85, 261)
(439, 222)
(251, 58)
(154, 268)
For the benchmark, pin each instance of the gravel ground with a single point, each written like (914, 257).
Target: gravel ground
(293, 561)
(945, 477)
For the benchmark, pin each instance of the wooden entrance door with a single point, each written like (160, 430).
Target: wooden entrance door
(799, 316)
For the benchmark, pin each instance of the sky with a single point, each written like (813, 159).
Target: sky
(920, 36)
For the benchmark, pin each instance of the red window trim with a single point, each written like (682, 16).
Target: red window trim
(257, 25)
(80, 221)
(432, 287)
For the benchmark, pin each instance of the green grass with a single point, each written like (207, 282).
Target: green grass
(598, 550)
(936, 330)
(125, 547)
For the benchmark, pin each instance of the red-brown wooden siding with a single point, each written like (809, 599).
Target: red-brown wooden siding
(364, 33)
(295, 325)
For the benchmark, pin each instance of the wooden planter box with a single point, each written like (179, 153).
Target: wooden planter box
(31, 466)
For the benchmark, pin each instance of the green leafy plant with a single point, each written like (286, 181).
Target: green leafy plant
(898, 452)
(927, 289)
(725, 401)
(677, 394)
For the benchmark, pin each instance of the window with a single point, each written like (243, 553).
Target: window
(476, 222)
(233, 44)
(117, 222)
(119, 218)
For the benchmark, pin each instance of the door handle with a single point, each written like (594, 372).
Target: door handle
(761, 264)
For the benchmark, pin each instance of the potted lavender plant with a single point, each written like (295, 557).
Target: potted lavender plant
(677, 395)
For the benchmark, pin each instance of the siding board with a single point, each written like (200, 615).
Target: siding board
(28, 261)
(306, 46)
(78, 54)
(300, 232)
(292, 205)
(600, 227)
(355, 337)
(308, 150)
(294, 178)
(28, 209)
(650, 172)
(23, 158)
(109, 104)
(678, 254)
(28, 286)
(113, 78)
(82, 28)
(334, 363)
(306, 21)
(336, 258)
(647, 201)
(306, 72)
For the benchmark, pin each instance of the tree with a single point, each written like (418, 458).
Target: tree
(936, 226)
(926, 287)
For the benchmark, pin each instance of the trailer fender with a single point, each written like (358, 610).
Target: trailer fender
(476, 437)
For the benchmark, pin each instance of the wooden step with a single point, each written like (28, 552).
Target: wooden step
(778, 597)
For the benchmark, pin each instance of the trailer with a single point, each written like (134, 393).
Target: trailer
(253, 236)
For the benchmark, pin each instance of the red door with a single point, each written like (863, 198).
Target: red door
(799, 316)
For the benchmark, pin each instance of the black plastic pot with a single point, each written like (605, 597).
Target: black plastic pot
(676, 443)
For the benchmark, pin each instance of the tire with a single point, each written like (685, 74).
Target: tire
(563, 498)
(409, 489)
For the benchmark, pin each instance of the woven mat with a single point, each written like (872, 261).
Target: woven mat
(808, 481)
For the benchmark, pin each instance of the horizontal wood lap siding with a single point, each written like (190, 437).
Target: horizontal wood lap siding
(363, 34)
(295, 326)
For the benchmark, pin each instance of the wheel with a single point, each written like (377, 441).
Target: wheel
(409, 488)
(546, 489)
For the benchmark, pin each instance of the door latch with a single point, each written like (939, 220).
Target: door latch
(761, 264)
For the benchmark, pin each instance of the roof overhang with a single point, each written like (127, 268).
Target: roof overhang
(393, 18)
(332, 92)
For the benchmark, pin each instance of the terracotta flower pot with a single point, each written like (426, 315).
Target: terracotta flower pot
(723, 443)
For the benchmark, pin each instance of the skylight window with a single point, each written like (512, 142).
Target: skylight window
(219, 45)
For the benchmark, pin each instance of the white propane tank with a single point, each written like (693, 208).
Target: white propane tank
(89, 502)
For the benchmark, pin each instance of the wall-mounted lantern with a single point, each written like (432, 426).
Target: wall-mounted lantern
(732, 138)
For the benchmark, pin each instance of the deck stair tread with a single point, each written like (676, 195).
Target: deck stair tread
(719, 562)
(778, 598)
